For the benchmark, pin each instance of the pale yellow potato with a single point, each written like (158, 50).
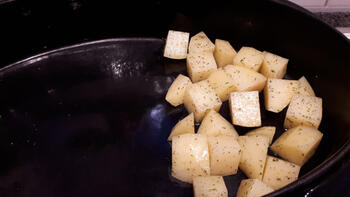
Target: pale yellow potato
(200, 43)
(304, 110)
(246, 79)
(279, 173)
(305, 87)
(267, 131)
(190, 157)
(245, 108)
(213, 124)
(200, 65)
(253, 188)
(254, 152)
(249, 57)
(185, 125)
(298, 144)
(223, 53)
(278, 93)
(273, 66)
(225, 154)
(176, 91)
(199, 98)
(176, 44)
(209, 186)
(222, 83)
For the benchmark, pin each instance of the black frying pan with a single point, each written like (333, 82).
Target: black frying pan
(91, 120)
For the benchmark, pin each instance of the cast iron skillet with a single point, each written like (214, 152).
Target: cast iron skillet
(91, 120)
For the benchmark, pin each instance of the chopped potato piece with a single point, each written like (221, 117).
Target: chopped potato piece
(200, 97)
(245, 108)
(298, 144)
(200, 65)
(254, 151)
(176, 44)
(278, 93)
(175, 94)
(185, 125)
(249, 57)
(225, 154)
(200, 43)
(223, 53)
(246, 79)
(214, 124)
(253, 188)
(273, 66)
(264, 131)
(279, 173)
(190, 157)
(304, 110)
(305, 88)
(209, 186)
(222, 83)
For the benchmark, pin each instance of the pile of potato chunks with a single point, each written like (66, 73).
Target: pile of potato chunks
(218, 73)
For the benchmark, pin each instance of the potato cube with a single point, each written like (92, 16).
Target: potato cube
(200, 43)
(223, 53)
(222, 83)
(176, 45)
(304, 110)
(298, 144)
(278, 93)
(200, 65)
(264, 131)
(245, 108)
(246, 79)
(273, 66)
(190, 157)
(254, 151)
(249, 57)
(253, 188)
(209, 186)
(200, 97)
(213, 124)
(225, 154)
(305, 88)
(175, 94)
(185, 125)
(279, 173)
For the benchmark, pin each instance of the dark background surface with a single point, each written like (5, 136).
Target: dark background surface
(31, 27)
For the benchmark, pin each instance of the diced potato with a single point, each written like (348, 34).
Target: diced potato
(200, 43)
(249, 57)
(214, 124)
(245, 108)
(246, 79)
(253, 188)
(209, 186)
(225, 154)
(304, 110)
(222, 83)
(305, 88)
(176, 45)
(264, 131)
(223, 53)
(200, 97)
(200, 65)
(273, 66)
(279, 173)
(190, 157)
(278, 93)
(254, 151)
(175, 94)
(185, 125)
(298, 144)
